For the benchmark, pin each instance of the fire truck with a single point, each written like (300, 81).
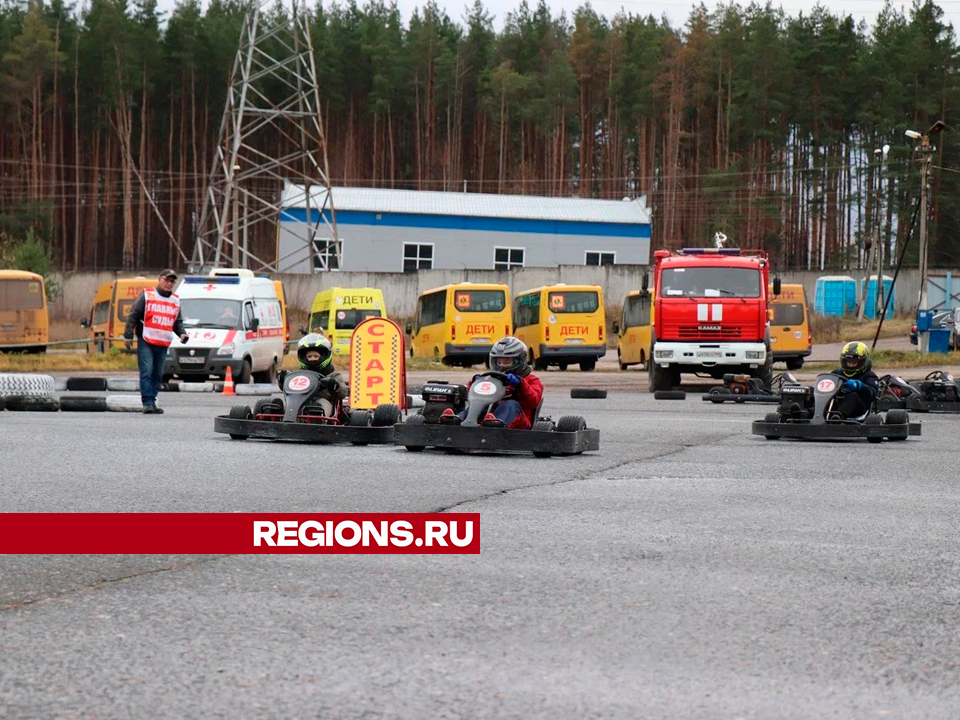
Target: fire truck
(710, 315)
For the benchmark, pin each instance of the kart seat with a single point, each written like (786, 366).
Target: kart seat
(536, 414)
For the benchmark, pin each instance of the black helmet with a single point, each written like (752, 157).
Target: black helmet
(317, 342)
(509, 355)
(854, 359)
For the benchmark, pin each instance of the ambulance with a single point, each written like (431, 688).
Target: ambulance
(233, 319)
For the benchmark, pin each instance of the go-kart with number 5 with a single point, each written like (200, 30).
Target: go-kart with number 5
(296, 416)
(818, 412)
(457, 418)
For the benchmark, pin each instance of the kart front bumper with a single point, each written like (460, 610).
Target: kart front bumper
(744, 398)
(496, 439)
(303, 432)
(833, 430)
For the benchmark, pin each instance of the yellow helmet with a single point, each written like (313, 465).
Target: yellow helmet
(854, 359)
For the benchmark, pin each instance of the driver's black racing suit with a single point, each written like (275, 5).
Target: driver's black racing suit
(855, 403)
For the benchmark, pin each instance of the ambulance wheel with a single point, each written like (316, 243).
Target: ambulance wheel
(268, 376)
(240, 412)
(386, 415)
(773, 417)
(359, 418)
(794, 363)
(588, 365)
(873, 419)
(243, 375)
(417, 419)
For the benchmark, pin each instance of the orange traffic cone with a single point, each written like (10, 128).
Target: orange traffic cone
(228, 383)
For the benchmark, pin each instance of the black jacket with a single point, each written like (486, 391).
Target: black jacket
(135, 318)
(868, 392)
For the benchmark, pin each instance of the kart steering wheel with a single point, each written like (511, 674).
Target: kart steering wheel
(935, 375)
(502, 377)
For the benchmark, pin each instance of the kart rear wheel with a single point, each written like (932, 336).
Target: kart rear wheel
(571, 423)
(773, 417)
(386, 415)
(239, 412)
(359, 418)
(543, 426)
(417, 419)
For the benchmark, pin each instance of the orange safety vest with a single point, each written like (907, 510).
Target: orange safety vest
(159, 315)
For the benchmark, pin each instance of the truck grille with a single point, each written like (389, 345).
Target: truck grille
(694, 332)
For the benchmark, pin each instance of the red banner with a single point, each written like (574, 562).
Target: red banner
(238, 533)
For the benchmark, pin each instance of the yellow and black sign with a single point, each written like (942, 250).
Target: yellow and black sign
(378, 372)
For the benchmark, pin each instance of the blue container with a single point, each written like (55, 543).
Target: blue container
(835, 295)
(870, 296)
(924, 318)
(939, 340)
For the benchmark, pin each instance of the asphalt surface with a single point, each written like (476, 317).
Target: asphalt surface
(687, 570)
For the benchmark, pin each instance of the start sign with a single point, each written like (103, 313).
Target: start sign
(378, 372)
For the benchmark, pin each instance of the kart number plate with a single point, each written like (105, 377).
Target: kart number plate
(710, 353)
(298, 383)
(192, 360)
(484, 388)
(574, 341)
(826, 385)
(481, 341)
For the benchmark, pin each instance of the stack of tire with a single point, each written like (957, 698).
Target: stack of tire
(27, 391)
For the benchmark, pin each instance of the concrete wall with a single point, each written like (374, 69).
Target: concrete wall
(400, 290)
(379, 248)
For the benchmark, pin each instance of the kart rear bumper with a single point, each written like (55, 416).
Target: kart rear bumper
(744, 398)
(833, 430)
(303, 432)
(496, 439)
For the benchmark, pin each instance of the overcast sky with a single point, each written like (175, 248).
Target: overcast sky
(676, 11)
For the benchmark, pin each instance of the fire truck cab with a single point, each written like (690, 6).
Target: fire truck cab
(711, 315)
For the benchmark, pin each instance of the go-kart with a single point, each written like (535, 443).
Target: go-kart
(812, 412)
(439, 424)
(937, 392)
(292, 417)
(741, 388)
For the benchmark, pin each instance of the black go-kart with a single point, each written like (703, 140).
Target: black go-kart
(740, 388)
(810, 412)
(937, 392)
(292, 418)
(434, 427)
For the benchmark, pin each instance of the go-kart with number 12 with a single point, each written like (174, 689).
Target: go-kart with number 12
(814, 413)
(454, 418)
(293, 417)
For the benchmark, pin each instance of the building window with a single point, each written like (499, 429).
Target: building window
(417, 256)
(599, 257)
(505, 258)
(326, 256)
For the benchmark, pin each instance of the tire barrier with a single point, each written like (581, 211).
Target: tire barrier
(33, 403)
(588, 393)
(124, 403)
(123, 385)
(3, 403)
(670, 395)
(87, 384)
(19, 384)
(196, 387)
(256, 389)
(60, 384)
(83, 404)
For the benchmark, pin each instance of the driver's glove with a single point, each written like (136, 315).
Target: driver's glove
(852, 385)
(513, 379)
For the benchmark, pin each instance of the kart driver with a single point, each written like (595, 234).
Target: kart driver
(524, 389)
(859, 381)
(315, 353)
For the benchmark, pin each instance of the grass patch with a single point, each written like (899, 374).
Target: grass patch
(834, 329)
(884, 360)
(112, 361)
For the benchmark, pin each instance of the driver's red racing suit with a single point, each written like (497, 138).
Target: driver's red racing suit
(517, 408)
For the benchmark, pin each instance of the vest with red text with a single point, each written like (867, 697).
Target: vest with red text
(159, 315)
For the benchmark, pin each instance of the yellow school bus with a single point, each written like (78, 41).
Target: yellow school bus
(458, 324)
(108, 314)
(634, 329)
(791, 338)
(561, 325)
(24, 319)
(338, 310)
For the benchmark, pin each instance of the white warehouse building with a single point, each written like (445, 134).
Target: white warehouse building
(384, 230)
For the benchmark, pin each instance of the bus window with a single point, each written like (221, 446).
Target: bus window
(787, 314)
(573, 301)
(432, 309)
(349, 319)
(479, 300)
(21, 295)
(636, 311)
(528, 310)
(319, 321)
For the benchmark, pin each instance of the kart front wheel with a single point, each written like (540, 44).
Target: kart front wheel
(386, 415)
(417, 419)
(771, 418)
(239, 412)
(359, 418)
(897, 417)
(874, 419)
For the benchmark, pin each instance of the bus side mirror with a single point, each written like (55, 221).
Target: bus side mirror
(777, 286)
(616, 328)
(409, 328)
(645, 283)
(84, 323)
